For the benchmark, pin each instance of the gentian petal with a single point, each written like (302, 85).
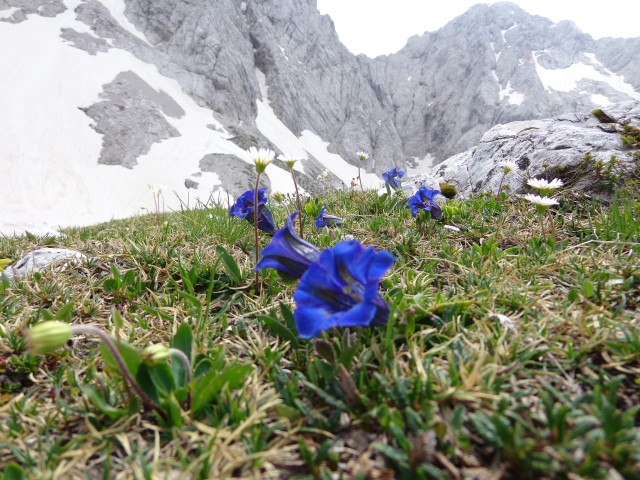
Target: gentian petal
(340, 289)
(424, 200)
(326, 220)
(244, 208)
(287, 252)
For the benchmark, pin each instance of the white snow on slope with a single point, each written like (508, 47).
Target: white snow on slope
(50, 177)
(566, 79)
(9, 12)
(116, 8)
(513, 97)
(307, 144)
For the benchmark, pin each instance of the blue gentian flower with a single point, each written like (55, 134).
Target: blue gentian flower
(287, 252)
(340, 289)
(392, 177)
(243, 208)
(423, 200)
(326, 220)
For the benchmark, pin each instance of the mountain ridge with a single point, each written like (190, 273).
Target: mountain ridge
(152, 95)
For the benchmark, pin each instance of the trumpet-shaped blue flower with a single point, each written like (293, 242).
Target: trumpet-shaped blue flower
(423, 200)
(326, 220)
(340, 289)
(243, 208)
(287, 252)
(392, 177)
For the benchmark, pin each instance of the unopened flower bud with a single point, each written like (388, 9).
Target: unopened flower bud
(155, 354)
(48, 336)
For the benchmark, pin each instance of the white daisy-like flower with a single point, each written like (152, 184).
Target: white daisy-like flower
(508, 166)
(542, 184)
(289, 160)
(362, 156)
(538, 200)
(505, 321)
(261, 157)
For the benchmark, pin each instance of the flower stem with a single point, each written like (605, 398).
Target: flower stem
(110, 344)
(295, 184)
(255, 229)
(360, 180)
(501, 182)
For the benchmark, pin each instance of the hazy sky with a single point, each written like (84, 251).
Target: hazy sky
(377, 27)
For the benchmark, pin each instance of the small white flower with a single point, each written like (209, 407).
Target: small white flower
(505, 321)
(362, 156)
(538, 200)
(542, 184)
(289, 160)
(508, 166)
(261, 157)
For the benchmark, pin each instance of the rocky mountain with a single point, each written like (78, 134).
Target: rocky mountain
(497, 64)
(590, 151)
(112, 107)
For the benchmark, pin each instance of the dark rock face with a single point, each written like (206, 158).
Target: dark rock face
(567, 147)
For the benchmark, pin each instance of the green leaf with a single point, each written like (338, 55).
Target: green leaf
(183, 340)
(144, 380)
(210, 386)
(588, 289)
(118, 321)
(174, 417)
(129, 354)
(65, 312)
(98, 400)
(162, 378)
(279, 330)
(14, 471)
(229, 263)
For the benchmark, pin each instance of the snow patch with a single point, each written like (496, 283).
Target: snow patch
(117, 8)
(50, 177)
(8, 13)
(566, 79)
(283, 54)
(600, 100)
(301, 147)
(513, 97)
(420, 165)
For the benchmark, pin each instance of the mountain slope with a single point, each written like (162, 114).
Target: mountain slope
(497, 64)
(107, 101)
(112, 100)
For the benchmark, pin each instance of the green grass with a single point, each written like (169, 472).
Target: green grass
(444, 391)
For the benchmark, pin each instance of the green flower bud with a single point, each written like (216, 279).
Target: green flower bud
(155, 354)
(278, 197)
(48, 336)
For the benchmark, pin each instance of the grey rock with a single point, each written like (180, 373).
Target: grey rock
(130, 119)
(190, 183)
(44, 8)
(84, 41)
(550, 148)
(40, 259)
